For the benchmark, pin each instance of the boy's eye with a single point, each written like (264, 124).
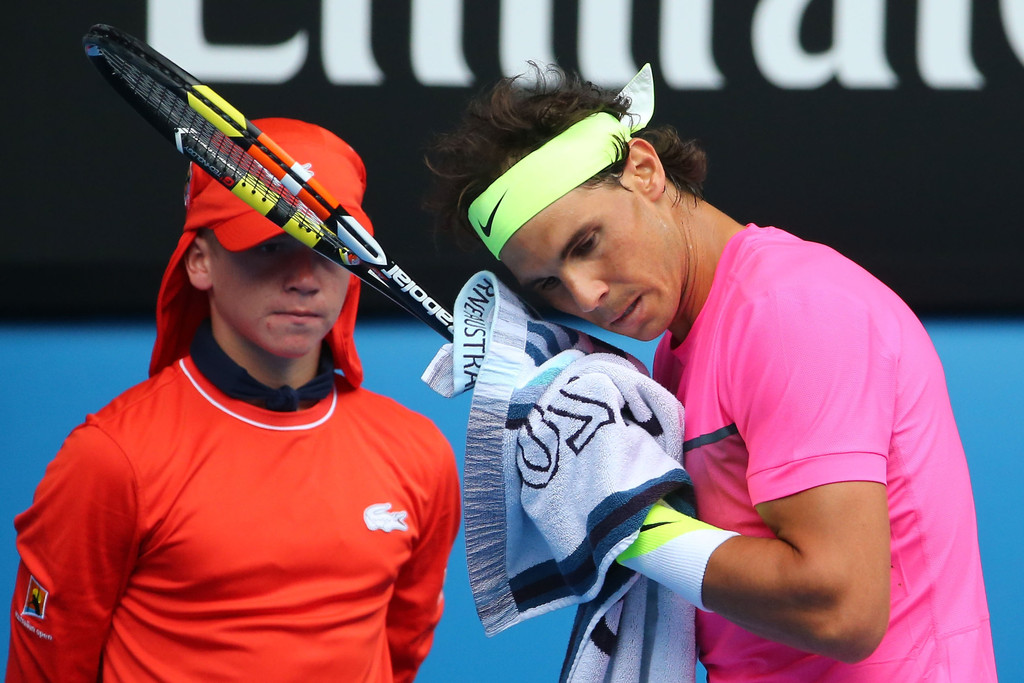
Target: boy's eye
(272, 246)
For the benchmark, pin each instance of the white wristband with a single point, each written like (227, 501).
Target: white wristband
(679, 564)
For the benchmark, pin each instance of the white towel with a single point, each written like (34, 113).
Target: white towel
(568, 435)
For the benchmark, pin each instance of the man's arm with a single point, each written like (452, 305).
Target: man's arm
(75, 544)
(814, 382)
(823, 584)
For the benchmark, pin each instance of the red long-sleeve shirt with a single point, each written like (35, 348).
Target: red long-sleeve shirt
(183, 535)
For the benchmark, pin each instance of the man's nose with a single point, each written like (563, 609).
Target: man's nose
(586, 291)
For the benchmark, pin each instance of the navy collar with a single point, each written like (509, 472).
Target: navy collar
(236, 382)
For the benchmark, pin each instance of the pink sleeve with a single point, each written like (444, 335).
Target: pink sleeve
(811, 381)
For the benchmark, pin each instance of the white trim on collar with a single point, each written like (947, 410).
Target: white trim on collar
(255, 423)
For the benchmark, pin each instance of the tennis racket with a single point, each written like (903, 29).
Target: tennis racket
(208, 130)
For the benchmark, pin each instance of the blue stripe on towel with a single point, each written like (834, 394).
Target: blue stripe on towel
(612, 520)
(616, 578)
(543, 333)
(621, 509)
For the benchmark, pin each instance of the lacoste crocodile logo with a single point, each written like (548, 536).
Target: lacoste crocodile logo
(378, 517)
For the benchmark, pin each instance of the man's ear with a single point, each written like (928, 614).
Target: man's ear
(643, 172)
(197, 263)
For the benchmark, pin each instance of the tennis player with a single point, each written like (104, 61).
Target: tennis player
(838, 539)
(249, 513)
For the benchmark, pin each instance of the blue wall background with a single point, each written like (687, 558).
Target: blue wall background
(53, 374)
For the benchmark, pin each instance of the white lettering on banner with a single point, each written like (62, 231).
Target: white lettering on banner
(856, 58)
(1013, 20)
(687, 62)
(605, 54)
(345, 36)
(175, 27)
(944, 45)
(526, 34)
(437, 43)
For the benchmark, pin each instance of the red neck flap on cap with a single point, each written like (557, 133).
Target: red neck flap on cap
(181, 307)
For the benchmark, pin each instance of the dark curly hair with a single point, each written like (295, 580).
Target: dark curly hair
(517, 116)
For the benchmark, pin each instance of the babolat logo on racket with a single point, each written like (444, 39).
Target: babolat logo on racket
(409, 286)
(349, 258)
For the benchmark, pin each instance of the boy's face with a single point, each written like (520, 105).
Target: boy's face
(275, 301)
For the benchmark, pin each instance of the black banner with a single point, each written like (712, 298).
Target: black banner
(889, 130)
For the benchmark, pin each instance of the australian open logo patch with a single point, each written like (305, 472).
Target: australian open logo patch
(35, 599)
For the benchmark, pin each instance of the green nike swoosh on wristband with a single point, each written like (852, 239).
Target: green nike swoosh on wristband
(661, 525)
(673, 549)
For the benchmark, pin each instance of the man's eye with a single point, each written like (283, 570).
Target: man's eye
(586, 246)
(547, 284)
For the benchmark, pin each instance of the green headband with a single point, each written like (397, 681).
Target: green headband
(558, 166)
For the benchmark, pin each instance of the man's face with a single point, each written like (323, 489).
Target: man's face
(606, 254)
(277, 300)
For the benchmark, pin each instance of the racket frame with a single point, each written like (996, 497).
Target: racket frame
(319, 221)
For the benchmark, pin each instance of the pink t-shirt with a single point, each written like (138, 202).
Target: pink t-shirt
(802, 370)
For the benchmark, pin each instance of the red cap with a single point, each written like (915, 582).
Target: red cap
(208, 204)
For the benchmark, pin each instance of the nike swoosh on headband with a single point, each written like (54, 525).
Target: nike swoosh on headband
(559, 165)
(486, 228)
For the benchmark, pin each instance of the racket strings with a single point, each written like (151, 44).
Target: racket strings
(240, 172)
(164, 94)
(216, 154)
